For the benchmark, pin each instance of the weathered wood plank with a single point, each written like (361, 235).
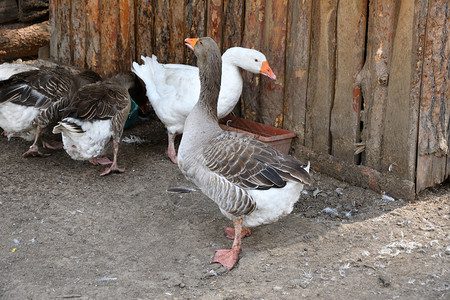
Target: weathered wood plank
(232, 23)
(214, 25)
(297, 68)
(169, 31)
(253, 29)
(78, 38)
(53, 11)
(322, 75)
(93, 53)
(274, 47)
(109, 35)
(63, 31)
(358, 174)
(400, 135)
(434, 106)
(195, 22)
(126, 42)
(375, 78)
(345, 115)
(145, 23)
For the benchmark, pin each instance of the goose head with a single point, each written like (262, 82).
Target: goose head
(250, 60)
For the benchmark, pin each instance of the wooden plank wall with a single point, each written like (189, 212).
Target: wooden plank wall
(363, 81)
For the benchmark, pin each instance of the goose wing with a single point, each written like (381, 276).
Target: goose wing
(38, 88)
(99, 100)
(251, 164)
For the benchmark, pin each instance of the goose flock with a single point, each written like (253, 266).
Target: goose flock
(251, 182)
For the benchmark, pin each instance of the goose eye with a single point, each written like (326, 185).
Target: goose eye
(201, 43)
(256, 60)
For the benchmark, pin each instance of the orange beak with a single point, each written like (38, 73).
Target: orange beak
(190, 42)
(267, 71)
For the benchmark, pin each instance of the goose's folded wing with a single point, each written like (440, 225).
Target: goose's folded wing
(251, 164)
(98, 101)
(38, 88)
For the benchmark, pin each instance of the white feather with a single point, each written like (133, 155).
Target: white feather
(86, 145)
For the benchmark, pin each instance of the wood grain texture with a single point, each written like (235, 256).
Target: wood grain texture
(321, 82)
(297, 68)
(434, 117)
(126, 42)
(93, 53)
(195, 25)
(109, 36)
(24, 41)
(400, 134)
(78, 37)
(345, 114)
(253, 29)
(214, 23)
(383, 16)
(274, 47)
(144, 28)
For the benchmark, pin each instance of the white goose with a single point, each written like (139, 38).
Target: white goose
(173, 89)
(95, 118)
(31, 101)
(251, 182)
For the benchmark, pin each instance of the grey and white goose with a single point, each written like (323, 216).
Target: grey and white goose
(95, 118)
(31, 101)
(251, 182)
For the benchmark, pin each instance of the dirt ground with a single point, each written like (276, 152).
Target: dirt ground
(67, 233)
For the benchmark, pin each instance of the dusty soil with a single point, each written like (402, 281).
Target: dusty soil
(66, 232)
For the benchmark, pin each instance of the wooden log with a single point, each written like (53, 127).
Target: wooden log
(374, 78)
(274, 47)
(253, 28)
(32, 10)
(297, 68)
(321, 83)
(358, 175)
(434, 118)
(401, 123)
(24, 41)
(8, 11)
(345, 115)
(195, 22)
(145, 20)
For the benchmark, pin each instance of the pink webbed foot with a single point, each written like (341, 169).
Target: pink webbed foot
(100, 161)
(113, 169)
(34, 152)
(227, 257)
(229, 232)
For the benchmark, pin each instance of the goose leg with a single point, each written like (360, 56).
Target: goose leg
(100, 161)
(114, 167)
(34, 149)
(229, 232)
(229, 257)
(171, 152)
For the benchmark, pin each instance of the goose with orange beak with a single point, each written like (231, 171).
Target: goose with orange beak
(251, 182)
(173, 89)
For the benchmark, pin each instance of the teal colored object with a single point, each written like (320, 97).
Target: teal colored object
(133, 116)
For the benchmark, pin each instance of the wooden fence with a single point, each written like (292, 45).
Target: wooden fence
(364, 84)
